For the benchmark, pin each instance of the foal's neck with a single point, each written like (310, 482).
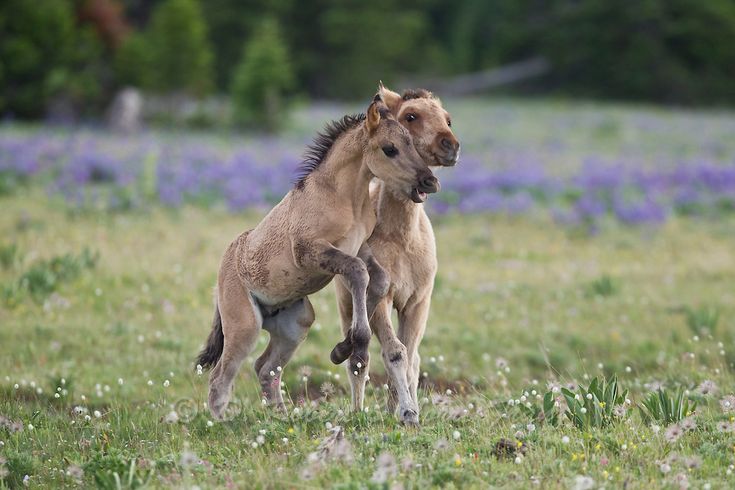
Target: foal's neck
(344, 172)
(396, 213)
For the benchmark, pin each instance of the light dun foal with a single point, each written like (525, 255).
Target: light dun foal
(317, 231)
(403, 244)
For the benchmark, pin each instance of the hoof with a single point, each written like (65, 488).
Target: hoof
(410, 418)
(218, 411)
(341, 352)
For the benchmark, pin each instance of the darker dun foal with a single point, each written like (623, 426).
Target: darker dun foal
(317, 231)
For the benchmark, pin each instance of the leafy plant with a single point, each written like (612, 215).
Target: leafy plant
(546, 413)
(43, 277)
(8, 255)
(603, 286)
(665, 408)
(113, 471)
(702, 319)
(17, 466)
(596, 405)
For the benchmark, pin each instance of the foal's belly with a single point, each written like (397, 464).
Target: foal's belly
(286, 286)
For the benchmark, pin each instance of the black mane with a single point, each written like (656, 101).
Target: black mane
(417, 93)
(317, 151)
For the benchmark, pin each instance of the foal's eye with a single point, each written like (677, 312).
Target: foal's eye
(449, 123)
(410, 117)
(390, 151)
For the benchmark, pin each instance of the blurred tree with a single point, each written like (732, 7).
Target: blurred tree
(661, 50)
(261, 79)
(180, 53)
(134, 63)
(44, 54)
(107, 18)
(370, 41)
(233, 21)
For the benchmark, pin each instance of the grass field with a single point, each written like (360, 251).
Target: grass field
(102, 314)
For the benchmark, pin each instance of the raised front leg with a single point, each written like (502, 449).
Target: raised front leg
(344, 304)
(378, 286)
(324, 256)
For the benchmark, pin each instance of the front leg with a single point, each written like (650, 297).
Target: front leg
(379, 283)
(325, 257)
(377, 289)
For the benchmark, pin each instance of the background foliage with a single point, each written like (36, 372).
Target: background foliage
(82, 51)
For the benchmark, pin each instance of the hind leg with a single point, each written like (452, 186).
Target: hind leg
(241, 324)
(288, 329)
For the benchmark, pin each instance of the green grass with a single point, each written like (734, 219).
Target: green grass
(521, 308)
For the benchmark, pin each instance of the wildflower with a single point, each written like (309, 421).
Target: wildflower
(97, 414)
(725, 426)
(618, 411)
(501, 363)
(707, 387)
(456, 435)
(171, 418)
(305, 371)
(30, 426)
(583, 482)
(166, 383)
(664, 468)
(75, 472)
(200, 370)
(682, 481)
(188, 458)
(673, 433)
(327, 389)
(441, 444)
(565, 440)
(518, 460)
(688, 424)
(79, 410)
(210, 423)
(387, 468)
(727, 404)
(693, 462)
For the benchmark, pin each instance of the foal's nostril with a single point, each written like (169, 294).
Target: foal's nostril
(446, 144)
(430, 184)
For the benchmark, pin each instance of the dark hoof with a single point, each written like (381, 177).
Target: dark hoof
(410, 418)
(341, 352)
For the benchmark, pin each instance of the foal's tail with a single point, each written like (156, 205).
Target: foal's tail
(211, 353)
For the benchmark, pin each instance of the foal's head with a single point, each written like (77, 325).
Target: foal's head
(391, 156)
(427, 121)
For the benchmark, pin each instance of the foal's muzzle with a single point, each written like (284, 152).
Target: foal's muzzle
(428, 184)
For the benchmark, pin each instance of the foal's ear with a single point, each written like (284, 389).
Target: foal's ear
(373, 116)
(390, 98)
